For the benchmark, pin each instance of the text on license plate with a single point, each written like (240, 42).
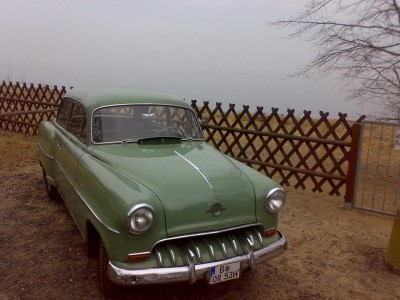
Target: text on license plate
(224, 273)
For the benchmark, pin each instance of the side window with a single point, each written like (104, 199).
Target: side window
(64, 112)
(84, 130)
(77, 121)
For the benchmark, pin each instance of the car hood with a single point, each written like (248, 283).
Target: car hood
(199, 187)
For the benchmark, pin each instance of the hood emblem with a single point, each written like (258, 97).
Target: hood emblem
(215, 209)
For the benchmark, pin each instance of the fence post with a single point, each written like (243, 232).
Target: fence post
(393, 252)
(352, 170)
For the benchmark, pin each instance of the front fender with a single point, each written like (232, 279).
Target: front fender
(104, 197)
(262, 185)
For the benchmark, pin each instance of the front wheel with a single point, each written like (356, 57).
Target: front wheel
(108, 288)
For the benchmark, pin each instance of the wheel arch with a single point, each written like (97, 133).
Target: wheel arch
(92, 240)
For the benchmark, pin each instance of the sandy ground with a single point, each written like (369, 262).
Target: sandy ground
(333, 253)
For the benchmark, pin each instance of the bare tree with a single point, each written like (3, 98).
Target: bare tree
(358, 38)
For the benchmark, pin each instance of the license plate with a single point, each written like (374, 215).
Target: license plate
(224, 273)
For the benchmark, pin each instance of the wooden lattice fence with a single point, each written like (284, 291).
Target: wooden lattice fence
(300, 151)
(23, 107)
(304, 152)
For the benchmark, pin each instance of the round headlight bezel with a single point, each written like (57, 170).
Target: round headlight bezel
(142, 210)
(275, 200)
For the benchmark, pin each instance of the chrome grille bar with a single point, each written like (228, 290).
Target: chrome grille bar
(250, 249)
(223, 247)
(197, 250)
(210, 247)
(234, 244)
(244, 241)
(159, 257)
(171, 254)
(250, 239)
(259, 236)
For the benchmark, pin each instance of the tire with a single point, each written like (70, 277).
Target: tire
(51, 191)
(107, 288)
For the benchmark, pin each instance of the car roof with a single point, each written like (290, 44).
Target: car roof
(93, 97)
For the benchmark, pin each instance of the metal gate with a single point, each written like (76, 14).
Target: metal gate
(377, 187)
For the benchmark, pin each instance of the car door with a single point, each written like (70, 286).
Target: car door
(70, 147)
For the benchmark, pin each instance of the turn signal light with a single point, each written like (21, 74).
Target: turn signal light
(135, 258)
(269, 233)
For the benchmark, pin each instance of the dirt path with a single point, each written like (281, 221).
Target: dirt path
(333, 253)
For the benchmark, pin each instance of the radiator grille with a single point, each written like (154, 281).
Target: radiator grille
(208, 248)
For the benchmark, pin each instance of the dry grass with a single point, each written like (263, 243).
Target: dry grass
(333, 253)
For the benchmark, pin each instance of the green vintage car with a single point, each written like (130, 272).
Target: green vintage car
(154, 202)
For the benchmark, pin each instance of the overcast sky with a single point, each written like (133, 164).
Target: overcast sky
(220, 50)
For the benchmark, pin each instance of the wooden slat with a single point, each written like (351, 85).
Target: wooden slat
(27, 112)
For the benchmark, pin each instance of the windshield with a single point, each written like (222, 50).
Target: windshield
(134, 122)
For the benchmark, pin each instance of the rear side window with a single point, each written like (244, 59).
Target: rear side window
(77, 121)
(64, 112)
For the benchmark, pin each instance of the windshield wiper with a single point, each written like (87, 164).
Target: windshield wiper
(126, 141)
(159, 140)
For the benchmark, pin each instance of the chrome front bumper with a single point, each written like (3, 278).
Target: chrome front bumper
(193, 272)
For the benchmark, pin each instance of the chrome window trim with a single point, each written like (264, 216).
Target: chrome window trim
(138, 104)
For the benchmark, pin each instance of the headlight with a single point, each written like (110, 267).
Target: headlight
(275, 200)
(140, 218)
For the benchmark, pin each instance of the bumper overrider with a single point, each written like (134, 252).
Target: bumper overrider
(193, 272)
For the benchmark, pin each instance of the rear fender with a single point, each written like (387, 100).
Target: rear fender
(47, 147)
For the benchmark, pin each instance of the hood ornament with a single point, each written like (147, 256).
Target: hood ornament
(215, 209)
